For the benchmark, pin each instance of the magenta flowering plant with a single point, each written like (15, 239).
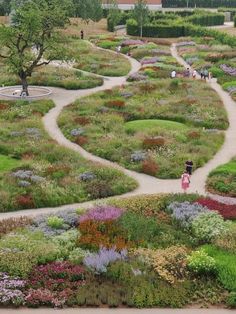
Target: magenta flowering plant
(102, 213)
(39, 297)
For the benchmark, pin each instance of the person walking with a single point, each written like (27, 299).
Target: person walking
(189, 167)
(185, 181)
(205, 74)
(173, 74)
(194, 74)
(201, 74)
(81, 34)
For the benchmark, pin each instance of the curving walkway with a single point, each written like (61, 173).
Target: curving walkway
(147, 184)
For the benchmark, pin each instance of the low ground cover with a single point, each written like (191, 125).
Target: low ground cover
(100, 258)
(222, 180)
(191, 113)
(36, 172)
(53, 76)
(218, 59)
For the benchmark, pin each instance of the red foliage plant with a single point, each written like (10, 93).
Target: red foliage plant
(81, 140)
(10, 224)
(117, 103)
(25, 201)
(150, 167)
(194, 135)
(152, 142)
(108, 234)
(82, 120)
(227, 211)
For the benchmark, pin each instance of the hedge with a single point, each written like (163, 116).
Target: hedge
(198, 3)
(231, 10)
(207, 19)
(235, 21)
(179, 30)
(124, 16)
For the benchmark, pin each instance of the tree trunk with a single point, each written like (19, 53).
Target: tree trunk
(141, 31)
(24, 83)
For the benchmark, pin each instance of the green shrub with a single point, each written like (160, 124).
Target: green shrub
(231, 300)
(207, 226)
(17, 263)
(200, 262)
(77, 255)
(55, 222)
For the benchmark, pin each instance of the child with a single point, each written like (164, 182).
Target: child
(185, 181)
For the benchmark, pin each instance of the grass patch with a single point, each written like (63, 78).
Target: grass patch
(8, 163)
(222, 180)
(143, 125)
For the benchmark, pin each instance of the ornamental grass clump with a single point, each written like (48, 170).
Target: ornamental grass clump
(102, 213)
(209, 225)
(184, 213)
(199, 262)
(98, 262)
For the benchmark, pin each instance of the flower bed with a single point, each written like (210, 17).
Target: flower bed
(159, 118)
(140, 253)
(37, 172)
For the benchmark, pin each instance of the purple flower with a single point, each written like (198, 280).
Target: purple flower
(98, 262)
(102, 213)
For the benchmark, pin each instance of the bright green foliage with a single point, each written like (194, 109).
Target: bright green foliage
(231, 300)
(201, 263)
(55, 222)
(207, 226)
(225, 265)
(8, 163)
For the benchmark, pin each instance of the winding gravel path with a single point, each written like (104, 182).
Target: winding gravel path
(147, 184)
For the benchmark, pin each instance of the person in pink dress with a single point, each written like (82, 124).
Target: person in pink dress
(185, 181)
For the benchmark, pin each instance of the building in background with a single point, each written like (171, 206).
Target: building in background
(129, 4)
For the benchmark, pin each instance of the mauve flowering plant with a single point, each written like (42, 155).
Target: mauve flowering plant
(38, 297)
(10, 290)
(102, 213)
(98, 262)
(186, 212)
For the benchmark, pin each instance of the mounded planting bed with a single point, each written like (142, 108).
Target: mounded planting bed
(89, 58)
(126, 124)
(36, 172)
(183, 256)
(222, 180)
(54, 76)
(218, 59)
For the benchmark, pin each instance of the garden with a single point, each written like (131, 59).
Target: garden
(36, 172)
(218, 59)
(161, 122)
(185, 255)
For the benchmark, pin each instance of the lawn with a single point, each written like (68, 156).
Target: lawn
(100, 258)
(191, 112)
(36, 172)
(8, 163)
(222, 180)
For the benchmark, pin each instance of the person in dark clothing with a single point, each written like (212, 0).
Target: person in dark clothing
(82, 34)
(189, 166)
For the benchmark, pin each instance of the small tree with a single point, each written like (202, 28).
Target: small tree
(114, 12)
(140, 14)
(33, 32)
(88, 10)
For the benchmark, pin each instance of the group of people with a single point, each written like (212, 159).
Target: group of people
(185, 178)
(188, 73)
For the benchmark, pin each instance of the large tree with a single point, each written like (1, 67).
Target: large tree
(140, 14)
(34, 31)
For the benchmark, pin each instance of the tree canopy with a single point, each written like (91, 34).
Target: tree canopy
(33, 32)
(88, 10)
